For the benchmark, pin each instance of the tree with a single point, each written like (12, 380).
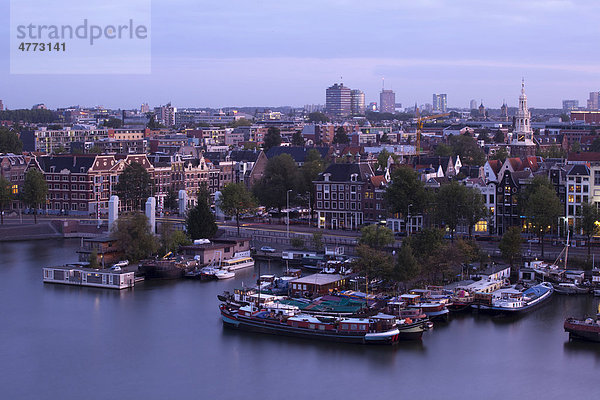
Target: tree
(467, 148)
(281, 174)
(589, 224)
(384, 138)
(171, 200)
(5, 196)
(93, 260)
(373, 263)
(134, 186)
(34, 191)
(510, 244)
(297, 242)
(317, 117)
(475, 209)
(406, 267)
(113, 123)
(341, 137)
(541, 206)
(310, 170)
(317, 240)
(297, 139)
(499, 136)
(382, 158)
(240, 122)
(553, 151)
(376, 236)
(443, 150)
(236, 200)
(200, 222)
(500, 154)
(595, 147)
(431, 250)
(132, 232)
(450, 202)
(10, 141)
(484, 135)
(272, 138)
(575, 147)
(406, 189)
(171, 239)
(564, 117)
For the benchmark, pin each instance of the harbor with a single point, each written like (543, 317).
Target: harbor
(176, 327)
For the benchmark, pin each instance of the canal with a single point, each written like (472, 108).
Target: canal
(165, 340)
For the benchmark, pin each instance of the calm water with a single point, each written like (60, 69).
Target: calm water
(165, 341)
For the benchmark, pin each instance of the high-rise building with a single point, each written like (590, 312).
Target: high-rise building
(144, 108)
(357, 102)
(337, 100)
(165, 114)
(1, 106)
(440, 102)
(387, 101)
(473, 104)
(569, 105)
(593, 101)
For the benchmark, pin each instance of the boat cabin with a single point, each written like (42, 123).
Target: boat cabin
(318, 283)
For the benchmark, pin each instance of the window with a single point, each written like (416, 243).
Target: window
(341, 196)
(334, 196)
(341, 187)
(319, 204)
(333, 205)
(319, 195)
(341, 205)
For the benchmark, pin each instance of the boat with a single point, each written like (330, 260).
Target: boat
(584, 329)
(570, 288)
(512, 301)
(434, 310)
(460, 301)
(237, 262)
(287, 320)
(161, 269)
(224, 274)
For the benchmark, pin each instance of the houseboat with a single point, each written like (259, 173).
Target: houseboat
(287, 320)
(77, 274)
(435, 310)
(511, 301)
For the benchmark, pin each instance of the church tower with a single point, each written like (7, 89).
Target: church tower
(522, 144)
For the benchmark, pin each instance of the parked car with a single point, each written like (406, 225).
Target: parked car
(267, 249)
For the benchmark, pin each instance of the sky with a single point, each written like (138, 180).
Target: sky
(275, 53)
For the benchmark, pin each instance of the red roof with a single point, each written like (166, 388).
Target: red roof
(584, 156)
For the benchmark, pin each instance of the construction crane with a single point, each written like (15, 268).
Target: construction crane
(420, 126)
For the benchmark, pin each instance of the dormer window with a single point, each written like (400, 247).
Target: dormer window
(353, 177)
(326, 177)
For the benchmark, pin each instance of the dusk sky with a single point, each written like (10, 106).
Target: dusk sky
(272, 53)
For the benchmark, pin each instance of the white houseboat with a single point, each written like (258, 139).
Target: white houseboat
(74, 274)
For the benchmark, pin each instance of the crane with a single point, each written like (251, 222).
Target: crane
(420, 126)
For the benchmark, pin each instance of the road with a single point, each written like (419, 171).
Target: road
(340, 236)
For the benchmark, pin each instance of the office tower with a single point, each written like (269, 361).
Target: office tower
(568, 105)
(1, 106)
(337, 100)
(473, 104)
(165, 114)
(144, 108)
(440, 102)
(592, 103)
(357, 102)
(387, 101)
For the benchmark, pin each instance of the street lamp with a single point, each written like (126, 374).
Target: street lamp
(288, 212)
(408, 221)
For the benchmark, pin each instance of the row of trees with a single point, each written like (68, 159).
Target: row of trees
(426, 256)
(10, 141)
(451, 205)
(33, 194)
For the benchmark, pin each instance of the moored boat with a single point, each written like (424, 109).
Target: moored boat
(224, 274)
(514, 302)
(283, 319)
(584, 329)
(570, 289)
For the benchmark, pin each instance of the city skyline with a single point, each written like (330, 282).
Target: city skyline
(484, 59)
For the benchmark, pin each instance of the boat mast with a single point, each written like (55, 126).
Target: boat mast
(567, 248)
